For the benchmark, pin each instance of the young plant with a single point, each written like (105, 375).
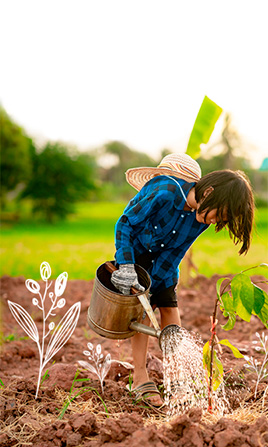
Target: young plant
(83, 390)
(56, 336)
(100, 365)
(243, 299)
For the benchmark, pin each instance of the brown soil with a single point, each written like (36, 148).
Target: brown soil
(113, 418)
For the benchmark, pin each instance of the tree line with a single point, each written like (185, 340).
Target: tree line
(56, 175)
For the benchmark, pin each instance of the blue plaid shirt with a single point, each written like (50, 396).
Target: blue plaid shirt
(155, 221)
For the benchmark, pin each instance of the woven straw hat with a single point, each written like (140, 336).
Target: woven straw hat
(177, 165)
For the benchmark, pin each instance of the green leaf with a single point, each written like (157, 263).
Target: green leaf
(263, 312)
(206, 119)
(228, 311)
(218, 286)
(217, 372)
(259, 299)
(243, 296)
(217, 366)
(230, 323)
(234, 350)
(227, 302)
(206, 356)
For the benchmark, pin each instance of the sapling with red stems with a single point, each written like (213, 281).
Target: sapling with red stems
(239, 297)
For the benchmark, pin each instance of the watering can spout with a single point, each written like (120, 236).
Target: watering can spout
(139, 327)
(172, 330)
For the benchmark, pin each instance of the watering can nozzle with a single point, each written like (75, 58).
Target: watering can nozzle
(172, 330)
(170, 337)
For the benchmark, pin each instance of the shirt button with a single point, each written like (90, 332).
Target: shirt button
(155, 227)
(150, 250)
(162, 245)
(174, 231)
(182, 215)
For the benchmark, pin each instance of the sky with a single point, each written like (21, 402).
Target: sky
(87, 72)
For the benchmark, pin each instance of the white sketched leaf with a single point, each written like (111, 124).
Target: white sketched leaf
(45, 271)
(125, 364)
(88, 366)
(60, 283)
(106, 366)
(25, 320)
(98, 349)
(32, 285)
(63, 331)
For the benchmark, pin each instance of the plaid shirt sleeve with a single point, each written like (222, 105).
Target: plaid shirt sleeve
(157, 197)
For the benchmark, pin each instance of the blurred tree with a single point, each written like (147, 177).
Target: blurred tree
(15, 160)
(163, 154)
(126, 158)
(60, 177)
(232, 151)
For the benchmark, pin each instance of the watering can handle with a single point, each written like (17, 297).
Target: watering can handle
(112, 268)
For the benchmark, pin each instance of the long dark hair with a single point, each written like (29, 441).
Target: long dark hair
(230, 191)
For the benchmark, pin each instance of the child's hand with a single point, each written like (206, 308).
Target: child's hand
(126, 277)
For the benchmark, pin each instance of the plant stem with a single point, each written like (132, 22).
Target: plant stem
(41, 350)
(211, 344)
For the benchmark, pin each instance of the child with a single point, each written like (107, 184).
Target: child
(173, 207)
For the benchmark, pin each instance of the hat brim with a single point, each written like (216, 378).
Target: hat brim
(137, 177)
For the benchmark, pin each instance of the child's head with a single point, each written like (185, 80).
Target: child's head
(230, 193)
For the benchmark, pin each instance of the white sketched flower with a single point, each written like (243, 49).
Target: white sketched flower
(51, 325)
(45, 271)
(35, 301)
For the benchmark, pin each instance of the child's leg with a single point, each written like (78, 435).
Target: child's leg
(139, 344)
(169, 315)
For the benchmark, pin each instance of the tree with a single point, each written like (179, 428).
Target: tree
(60, 177)
(126, 158)
(232, 151)
(15, 160)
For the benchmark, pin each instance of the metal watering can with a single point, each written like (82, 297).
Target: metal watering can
(118, 316)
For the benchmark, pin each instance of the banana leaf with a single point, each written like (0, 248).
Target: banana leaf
(206, 119)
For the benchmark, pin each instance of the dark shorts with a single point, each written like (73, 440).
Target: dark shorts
(164, 298)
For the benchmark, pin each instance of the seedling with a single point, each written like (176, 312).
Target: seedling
(46, 375)
(58, 335)
(243, 299)
(83, 390)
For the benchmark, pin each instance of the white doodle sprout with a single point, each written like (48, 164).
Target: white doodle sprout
(260, 368)
(100, 365)
(51, 339)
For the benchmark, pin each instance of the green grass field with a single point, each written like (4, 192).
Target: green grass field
(86, 240)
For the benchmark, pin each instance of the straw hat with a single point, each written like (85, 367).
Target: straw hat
(177, 165)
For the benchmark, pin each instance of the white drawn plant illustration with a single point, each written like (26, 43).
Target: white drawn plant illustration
(260, 369)
(58, 335)
(100, 365)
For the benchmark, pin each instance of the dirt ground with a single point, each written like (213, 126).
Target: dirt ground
(113, 418)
